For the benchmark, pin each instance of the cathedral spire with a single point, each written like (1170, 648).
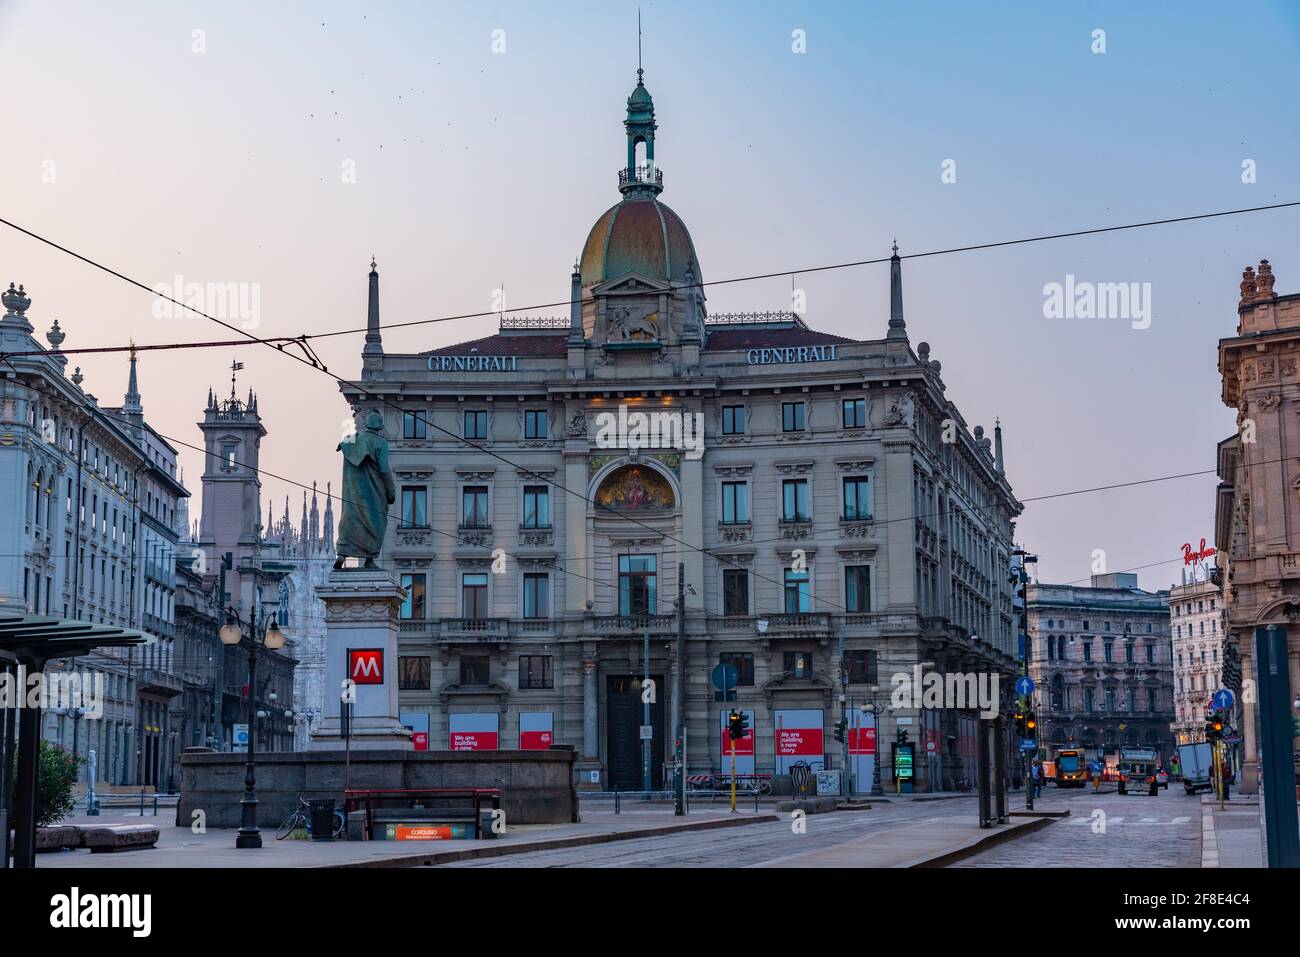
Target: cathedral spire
(897, 327)
(327, 537)
(131, 402)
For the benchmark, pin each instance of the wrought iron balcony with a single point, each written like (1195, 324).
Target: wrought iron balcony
(651, 176)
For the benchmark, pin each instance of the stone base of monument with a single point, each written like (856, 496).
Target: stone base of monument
(537, 787)
(367, 734)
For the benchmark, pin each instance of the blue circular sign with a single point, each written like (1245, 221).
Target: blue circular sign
(725, 677)
(1222, 700)
(1025, 685)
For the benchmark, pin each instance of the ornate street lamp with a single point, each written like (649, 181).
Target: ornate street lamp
(232, 633)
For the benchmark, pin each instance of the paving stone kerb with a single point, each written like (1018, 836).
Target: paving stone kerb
(536, 786)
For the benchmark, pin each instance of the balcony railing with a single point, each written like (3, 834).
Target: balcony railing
(625, 624)
(641, 176)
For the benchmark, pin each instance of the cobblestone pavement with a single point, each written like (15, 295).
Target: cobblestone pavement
(753, 845)
(1106, 830)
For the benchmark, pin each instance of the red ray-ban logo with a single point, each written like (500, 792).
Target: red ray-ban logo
(366, 665)
(1190, 556)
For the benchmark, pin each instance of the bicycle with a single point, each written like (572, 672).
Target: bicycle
(300, 817)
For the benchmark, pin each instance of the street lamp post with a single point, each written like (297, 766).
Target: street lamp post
(232, 633)
(875, 709)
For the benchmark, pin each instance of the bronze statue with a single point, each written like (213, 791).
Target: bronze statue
(368, 490)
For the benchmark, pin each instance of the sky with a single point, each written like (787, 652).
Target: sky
(470, 146)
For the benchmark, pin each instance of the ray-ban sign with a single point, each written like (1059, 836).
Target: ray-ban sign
(1200, 555)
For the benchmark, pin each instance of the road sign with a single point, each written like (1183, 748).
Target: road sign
(1025, 685)
(239, 738)
(929, 745)
(1027, 745)
(725, 677)
(1222, 700)
(647, 732)
(1232, 739)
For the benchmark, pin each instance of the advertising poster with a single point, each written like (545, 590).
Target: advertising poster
(536, 730)
(798, 738)
(473, 732)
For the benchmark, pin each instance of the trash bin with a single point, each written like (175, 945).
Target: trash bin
(322, 819)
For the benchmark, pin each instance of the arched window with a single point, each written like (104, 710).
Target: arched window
(31, 494)
(1058, 693)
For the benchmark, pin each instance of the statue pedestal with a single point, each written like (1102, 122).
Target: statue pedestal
(361, 608)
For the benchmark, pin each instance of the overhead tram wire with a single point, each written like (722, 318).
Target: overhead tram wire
(314, 363)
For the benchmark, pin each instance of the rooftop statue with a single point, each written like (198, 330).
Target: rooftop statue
(368, 490)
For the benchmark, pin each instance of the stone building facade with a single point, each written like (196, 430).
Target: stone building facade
(1101, 664)
(1197, 625)
(1257, 515)
(83, 488)
(839, 524)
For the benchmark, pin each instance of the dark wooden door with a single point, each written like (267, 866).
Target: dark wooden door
(624, 713)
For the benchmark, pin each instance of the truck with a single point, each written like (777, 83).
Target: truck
(1197, 762)
(1137, 770)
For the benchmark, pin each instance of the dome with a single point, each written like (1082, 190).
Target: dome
(639, 235)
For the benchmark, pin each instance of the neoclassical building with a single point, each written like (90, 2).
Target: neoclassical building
(1101, 664)
(1201, 655)
(838, 524)
(1257, 514)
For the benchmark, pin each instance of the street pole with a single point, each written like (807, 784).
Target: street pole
(645, 715)
(249, 836)
(733, 775)
(876, 789)
(679, 785)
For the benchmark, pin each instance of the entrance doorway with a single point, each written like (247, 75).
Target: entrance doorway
(624, 714)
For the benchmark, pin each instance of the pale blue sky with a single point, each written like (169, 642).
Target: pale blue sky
(476, 168)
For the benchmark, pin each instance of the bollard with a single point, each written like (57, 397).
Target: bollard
(142, 802)
(618, 803)
(155, 803)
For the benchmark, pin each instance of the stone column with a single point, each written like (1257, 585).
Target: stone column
(1249, 783)
(590, 706)
(361, 606)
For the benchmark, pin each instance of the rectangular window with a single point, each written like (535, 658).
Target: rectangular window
(855, 413)
(794, 500)
(476, 423)
(413, 604)
(1151, 699)
(1151, 654)
(537, 595)
(735, 502)
(1108, 650)
(735, 591)
(792, 417)
(857, 499)
(1128, 652)
(798, 592)
(537, 506)
(733, 420)
(535, 672)
(637, 582)
(857, 588)
(797, 664)
(473, 591)
(535, 423)
(474, 507)
(228, 456)
(1087, 652)
(743, 662)
(475, 670)
(1087, 699)
(413, 673)
(414, 425)
(414, 512)
(860, 667)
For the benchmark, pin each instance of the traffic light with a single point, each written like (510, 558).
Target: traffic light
(1031, 725)
(840, 725)
(1019, 717)
(902, 736)
(744, 724)
(735, 725)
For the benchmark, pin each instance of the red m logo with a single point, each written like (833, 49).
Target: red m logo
(366, 665)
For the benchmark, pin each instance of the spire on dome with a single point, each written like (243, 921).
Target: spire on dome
(641, 179)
